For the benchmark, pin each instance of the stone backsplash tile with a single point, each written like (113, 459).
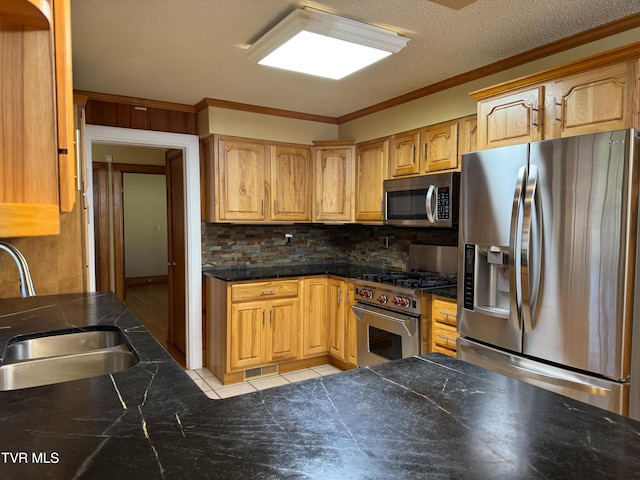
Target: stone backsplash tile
(228, 246)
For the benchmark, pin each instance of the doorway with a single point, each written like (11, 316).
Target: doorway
(191, 256)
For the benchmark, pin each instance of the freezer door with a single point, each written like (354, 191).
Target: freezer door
(489, 182)
(588, 192)
(612, 396)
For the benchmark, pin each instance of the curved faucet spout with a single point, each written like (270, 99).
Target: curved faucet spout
(26, 283)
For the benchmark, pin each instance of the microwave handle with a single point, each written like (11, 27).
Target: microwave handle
(429, 203)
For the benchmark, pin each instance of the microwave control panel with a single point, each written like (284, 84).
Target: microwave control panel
(442, 203)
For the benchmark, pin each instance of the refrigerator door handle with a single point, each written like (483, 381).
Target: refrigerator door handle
(530, 263)
(429, 203)
(514, 251)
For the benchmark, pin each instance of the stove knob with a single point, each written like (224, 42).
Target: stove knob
(382, 299)
(396, 300)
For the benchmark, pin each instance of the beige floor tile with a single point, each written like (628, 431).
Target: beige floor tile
(202, 384)
(326, 369)
(300, 375)
(269, 382)
(212, 395)
(204, 373)
(193, 374)
(213, 382)
(235, 390)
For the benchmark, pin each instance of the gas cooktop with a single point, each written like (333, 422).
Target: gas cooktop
(415, 279)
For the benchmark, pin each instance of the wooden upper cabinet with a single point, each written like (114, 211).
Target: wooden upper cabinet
(240, 180)
(34, 64)
(405, 154)
(594, 101)
(290, 183)
(333, 171)
(372, 168)
(595, 94)
(511, 119)
(440, 147)
(468, 138)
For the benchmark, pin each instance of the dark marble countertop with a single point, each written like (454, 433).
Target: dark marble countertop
(422, 417)
(345, 270)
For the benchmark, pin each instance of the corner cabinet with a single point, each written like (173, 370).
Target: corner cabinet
(595, 94)
(37, 159)
(333, 189)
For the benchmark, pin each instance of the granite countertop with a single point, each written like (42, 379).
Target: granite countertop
(345, 270)
(422, 417)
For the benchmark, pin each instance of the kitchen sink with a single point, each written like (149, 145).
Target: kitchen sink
(63, 356)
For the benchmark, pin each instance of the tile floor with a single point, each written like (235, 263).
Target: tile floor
(216, 390)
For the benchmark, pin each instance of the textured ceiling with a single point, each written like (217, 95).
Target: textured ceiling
(185, 50)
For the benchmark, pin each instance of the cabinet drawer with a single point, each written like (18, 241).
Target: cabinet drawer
(444, 312)
(263, 290)
(444, 335)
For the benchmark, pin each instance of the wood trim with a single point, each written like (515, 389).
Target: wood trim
(139, 168)
(28, 220)
(618, 55)
(118, 234)
(577, 40)
(334, 143)
(144, 102)
(276, 112)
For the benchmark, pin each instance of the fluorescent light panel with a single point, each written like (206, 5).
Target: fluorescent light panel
(318, 43)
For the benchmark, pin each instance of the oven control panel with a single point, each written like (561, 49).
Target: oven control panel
(397, 302)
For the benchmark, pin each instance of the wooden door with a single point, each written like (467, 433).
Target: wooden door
(284, 318)
(101, 226)
(468, 138)
(511, 119)
(591, 102)
(240, 180)
(290, 183)
(372, 168)
(405, 154)
(440, 143)
(246, 345)
(337, 320)
(333, 191)
(176, 272)
(314, 317)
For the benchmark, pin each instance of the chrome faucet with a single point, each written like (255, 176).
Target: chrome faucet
(26, 283)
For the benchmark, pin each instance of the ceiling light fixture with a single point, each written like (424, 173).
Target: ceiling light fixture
(320, 43)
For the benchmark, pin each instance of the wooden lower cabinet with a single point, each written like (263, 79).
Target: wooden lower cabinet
(314, 316)
(444, 322)
(261, 333)
(293, 323)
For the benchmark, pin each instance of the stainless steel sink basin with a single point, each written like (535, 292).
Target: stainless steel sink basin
(61, 344)
(57, 358)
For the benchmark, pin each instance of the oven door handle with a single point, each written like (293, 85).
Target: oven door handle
(411, 331)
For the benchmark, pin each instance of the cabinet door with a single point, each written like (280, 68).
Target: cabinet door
(440, 147)
(372, 168)
(337, 318)
(352, 328)
(443, 316)
(591, 102)
(333, 189)
(314, 317)
(511, 119)
(405, 151)
(29, 190)
(246, 341)
(284, 318)
(240, 180)
(468, 137)
(290, 183)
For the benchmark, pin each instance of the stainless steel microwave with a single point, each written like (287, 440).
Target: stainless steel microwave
(422, 201)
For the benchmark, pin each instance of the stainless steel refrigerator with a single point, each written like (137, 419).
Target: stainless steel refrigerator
(548, 267)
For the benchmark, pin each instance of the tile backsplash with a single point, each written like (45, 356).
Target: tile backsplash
(228, 246)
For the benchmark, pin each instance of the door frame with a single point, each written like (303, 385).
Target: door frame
(193, 261)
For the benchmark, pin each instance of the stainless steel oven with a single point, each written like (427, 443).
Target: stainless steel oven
(389, 306)
(422, 201)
